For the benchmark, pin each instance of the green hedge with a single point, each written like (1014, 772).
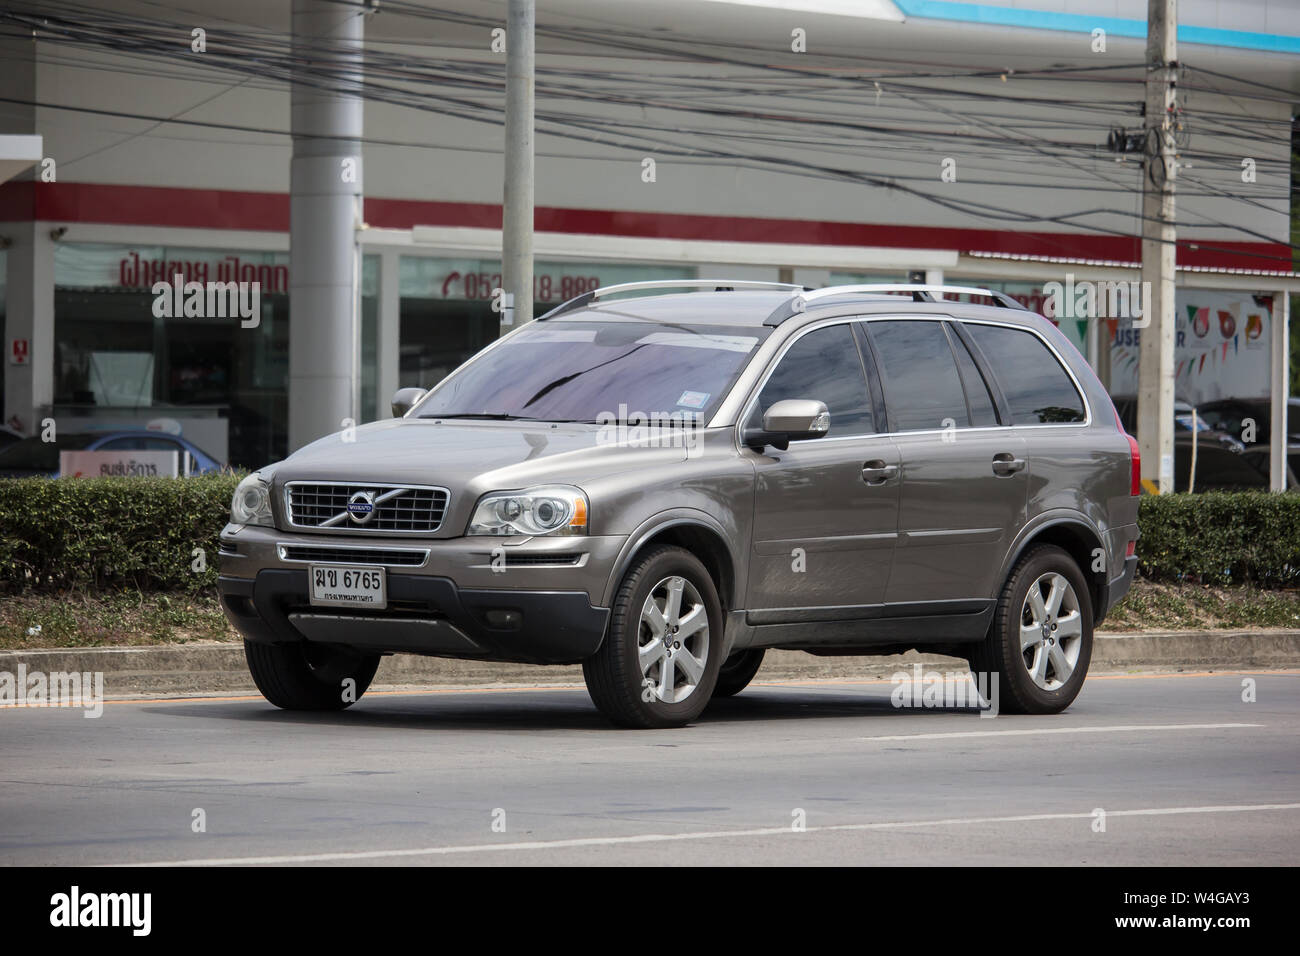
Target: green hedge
(88, 533)
(1221, 538)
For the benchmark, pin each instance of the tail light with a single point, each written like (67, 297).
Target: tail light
(1135, 458)
(1135, 461)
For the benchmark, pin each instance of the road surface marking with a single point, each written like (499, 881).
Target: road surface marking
(1114, 728)
(701, 835)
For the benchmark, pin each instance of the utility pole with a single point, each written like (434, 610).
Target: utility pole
(1156, 351)
(517, 208)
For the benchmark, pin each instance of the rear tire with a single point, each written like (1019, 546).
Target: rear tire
(659, 661)
(306, 676)
(737, 671)
(1040, 642)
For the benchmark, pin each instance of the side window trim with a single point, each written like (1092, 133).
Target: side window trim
(961, 378)
(871, 368)
(1000, 404)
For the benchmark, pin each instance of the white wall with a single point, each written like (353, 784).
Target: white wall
(466, 164)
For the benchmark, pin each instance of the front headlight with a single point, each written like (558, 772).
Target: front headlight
(252, 502)
(545, 509)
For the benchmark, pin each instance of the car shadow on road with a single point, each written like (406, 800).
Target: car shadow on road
(541, 710)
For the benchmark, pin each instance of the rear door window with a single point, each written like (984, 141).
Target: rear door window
(922, 386)
(1038, 390)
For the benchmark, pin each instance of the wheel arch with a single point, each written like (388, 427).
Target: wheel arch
(697, 533)
(1078, 538)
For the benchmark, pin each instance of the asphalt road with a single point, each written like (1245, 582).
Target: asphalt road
(1186, 772)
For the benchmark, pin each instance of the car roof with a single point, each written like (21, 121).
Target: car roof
(753, 309)
(740, 308)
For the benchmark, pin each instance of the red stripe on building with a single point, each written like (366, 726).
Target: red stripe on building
(262, 211)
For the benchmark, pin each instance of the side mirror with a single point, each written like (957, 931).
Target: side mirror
(404, 400)
(793, 419)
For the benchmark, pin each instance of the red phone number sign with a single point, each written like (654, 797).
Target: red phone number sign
(546, 287)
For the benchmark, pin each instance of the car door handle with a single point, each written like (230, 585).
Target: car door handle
(877, 472)
(1007, 464)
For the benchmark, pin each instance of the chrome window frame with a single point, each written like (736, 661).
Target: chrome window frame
(751, 400)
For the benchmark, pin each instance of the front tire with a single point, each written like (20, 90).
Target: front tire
(1040, 642)
(659, 661)
(306, 676)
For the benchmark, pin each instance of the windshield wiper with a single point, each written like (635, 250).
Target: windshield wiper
(547, 389)
(487, 416)
(504, 417)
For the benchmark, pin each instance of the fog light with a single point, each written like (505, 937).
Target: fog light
(504, 618)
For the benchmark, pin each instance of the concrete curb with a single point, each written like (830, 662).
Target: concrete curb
(192, 669)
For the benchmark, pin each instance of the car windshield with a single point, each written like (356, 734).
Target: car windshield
(34, 454)
(585, 371)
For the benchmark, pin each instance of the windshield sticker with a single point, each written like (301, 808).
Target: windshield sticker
(693, 399)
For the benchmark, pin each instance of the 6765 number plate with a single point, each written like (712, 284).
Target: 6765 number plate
(337, 586)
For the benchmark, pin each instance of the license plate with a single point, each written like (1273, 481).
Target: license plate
(338, 586)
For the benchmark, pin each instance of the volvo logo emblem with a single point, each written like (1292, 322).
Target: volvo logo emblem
(361, 506)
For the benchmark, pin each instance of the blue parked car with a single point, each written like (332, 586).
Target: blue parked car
(31, 456)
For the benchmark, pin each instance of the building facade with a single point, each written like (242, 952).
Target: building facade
(966, 143)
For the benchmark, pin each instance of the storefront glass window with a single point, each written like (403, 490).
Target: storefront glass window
(125, 359)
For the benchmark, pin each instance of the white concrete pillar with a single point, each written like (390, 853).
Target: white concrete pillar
(325, 189)
(29, 315)
(390, 331)
(1279, 389)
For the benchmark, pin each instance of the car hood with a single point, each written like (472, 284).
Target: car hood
(465, 455)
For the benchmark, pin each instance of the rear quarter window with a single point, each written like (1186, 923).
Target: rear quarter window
(1037, 387)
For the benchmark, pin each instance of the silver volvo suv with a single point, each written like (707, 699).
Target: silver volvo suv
(662, 485)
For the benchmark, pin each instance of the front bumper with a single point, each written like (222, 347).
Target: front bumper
(426, 615)
(533, 600)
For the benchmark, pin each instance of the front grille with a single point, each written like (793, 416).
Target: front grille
(395, 507)
(404, 557)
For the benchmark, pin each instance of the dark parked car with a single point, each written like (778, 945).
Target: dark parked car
(33, 456)
(663, 487)
(1221, 462)
(1230, 415)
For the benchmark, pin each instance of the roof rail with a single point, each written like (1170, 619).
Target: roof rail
(920, 293)
(716, 285)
